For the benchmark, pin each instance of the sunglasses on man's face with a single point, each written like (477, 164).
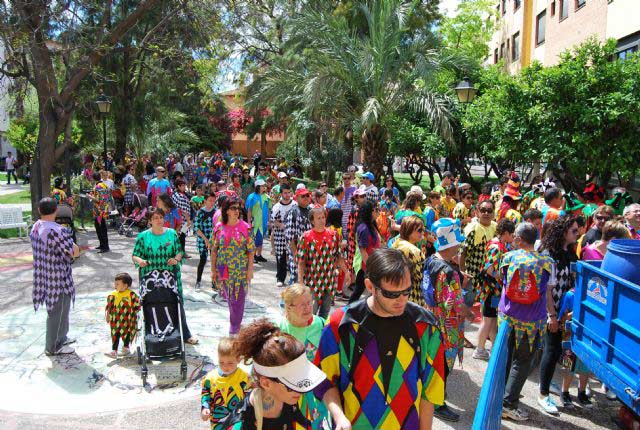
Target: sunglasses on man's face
(485, 211)
(393, 294)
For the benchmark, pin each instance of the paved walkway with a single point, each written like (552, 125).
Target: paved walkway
(87, 390)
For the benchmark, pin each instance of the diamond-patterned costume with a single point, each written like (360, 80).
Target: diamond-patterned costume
(416, 258)
(477, 236)
(490, 284)
(279, 215)
(122, 309)
(196, 203)
(101, 206)
(203, 222)
(461, 212)
(52, 247)
(447, 294)
(223, 395)
(319, 251)
(349, 355)
(130, 185)
(296, 223)
(157, 249)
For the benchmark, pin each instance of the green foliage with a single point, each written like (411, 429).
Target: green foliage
(580, 116)
(23, 134)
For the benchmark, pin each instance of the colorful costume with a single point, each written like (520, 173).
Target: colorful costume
(382, 379)
(232, 244)
(130, 185)
(223, 394)
(101, 206)
(416, 258)
(525, 319)
(155, 187)
(488, 285)
(475, 244)
(291, 418)
(258, 205)
(319, 251)
(203, 222)
(448, 304)
(122, 309)
(157, 249)
(296, 223)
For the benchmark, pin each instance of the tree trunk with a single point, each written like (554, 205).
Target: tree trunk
(122, 114)
(45, 158)
(375, 149)
(263, 143)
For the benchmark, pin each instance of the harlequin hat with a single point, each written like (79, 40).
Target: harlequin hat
(513, 188)
(447, 232)
(593, 192)
(573, 203)
(545, 185)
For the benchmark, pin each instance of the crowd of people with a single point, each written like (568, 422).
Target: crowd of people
(416, 268)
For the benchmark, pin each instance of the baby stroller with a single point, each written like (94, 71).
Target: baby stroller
(137, 217)
(161, 322)
(64, 217)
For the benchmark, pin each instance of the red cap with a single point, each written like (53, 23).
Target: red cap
(302, 192)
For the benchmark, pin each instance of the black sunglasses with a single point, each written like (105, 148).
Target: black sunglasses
(393, 294)
(285, 386)
(486, 211)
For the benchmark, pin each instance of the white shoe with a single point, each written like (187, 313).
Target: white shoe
(279, 284)
(481, 354)
(61, 351)
(125, 352)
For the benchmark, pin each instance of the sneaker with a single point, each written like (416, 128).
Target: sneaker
(444, 413)
(125, 352)
(261, 259)
(611, 395)
(515, 414)
(256, 260)
(69, 341)
(279, 284)
(198, 286)
(112, 354)
(481, 354)
(566, 400)
(548, 405)
(61, 351)
(583, 400)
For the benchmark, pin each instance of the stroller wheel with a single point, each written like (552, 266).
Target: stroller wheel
(139, 356)
(183, 371)
(144, 378)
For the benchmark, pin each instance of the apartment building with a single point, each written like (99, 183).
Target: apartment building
(540, 30)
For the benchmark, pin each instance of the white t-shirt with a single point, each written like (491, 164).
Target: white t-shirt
(178, 167)
(10, 160)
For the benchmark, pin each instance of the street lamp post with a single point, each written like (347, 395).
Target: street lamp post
(465, 91)
(104, 105)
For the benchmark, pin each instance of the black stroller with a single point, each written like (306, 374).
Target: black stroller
(161, 321)
(137, 217)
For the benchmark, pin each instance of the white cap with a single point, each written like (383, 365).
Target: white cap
(300, 374)
(418, 190)
(282, 175)
(259, 182)
(300, 185)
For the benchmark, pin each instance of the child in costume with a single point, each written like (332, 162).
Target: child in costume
(224, 388)
(121, 313)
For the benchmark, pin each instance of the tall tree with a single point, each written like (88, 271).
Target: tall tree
(85, 32)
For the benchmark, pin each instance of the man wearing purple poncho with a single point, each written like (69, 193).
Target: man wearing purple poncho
(53, 253)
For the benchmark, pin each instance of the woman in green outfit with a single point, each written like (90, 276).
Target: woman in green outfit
(300, 322)
(158, 248)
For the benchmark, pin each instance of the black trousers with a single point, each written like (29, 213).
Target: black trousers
(550, 355)
(183, 240)
(101, 231)
(281, 267)
(201, 264)
(359, 289)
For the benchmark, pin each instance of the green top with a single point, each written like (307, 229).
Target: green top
(157, 249)
(309, 335)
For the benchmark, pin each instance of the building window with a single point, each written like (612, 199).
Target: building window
(495, 56)
(516, 4)
(624, 54)
(580, 3)
(553, 8)
(564, 9)
(515, 46)
(502, 50)
(504, 6)
(540, 27)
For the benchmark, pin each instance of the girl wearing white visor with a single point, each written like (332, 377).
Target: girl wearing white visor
(281, 374)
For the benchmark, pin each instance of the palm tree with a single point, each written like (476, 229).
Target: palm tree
(356, 80)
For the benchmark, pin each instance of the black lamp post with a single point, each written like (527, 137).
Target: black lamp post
(104, 105)
(465, 91)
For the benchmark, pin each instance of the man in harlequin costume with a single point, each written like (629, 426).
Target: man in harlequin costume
(121, 313)
(383, 347)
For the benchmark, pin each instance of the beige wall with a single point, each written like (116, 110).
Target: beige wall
(507, 25)
(589, 20)
(623, 18)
